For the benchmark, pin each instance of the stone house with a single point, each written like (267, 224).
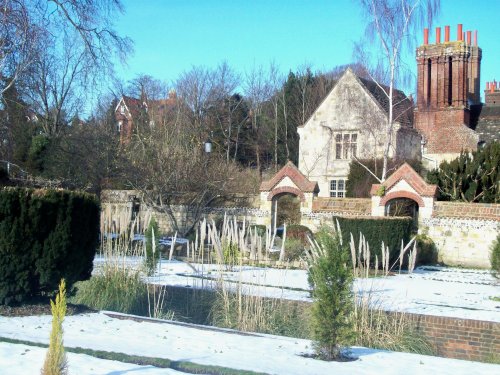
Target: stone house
(350, 122)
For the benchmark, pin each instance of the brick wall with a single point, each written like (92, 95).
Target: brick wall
(361, 206)
(483, 211)
(469, 339)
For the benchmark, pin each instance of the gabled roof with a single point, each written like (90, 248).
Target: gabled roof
(292, 172)
(408, 174)
(132, 105)
(403, 106)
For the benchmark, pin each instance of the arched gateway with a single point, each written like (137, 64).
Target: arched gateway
(289, 180)
(404, 184)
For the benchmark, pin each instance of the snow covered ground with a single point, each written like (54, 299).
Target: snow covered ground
(23, 359)
(453, 292)
(262, 353)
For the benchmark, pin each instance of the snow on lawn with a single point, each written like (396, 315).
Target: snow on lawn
(453, 292)
(257, 352)
(18, 359)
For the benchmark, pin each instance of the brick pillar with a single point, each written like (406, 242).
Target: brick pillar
(440, 67)
(474, 74)
(434, 82)
(421, 82)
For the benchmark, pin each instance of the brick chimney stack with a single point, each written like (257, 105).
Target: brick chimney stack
(448, 85)
(492, 94)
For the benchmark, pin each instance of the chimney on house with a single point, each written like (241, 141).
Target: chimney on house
(492, 94)
(475, 38)
(446, 34)
(460, 35)
(469, 37)
(426, 36)
(438, 35)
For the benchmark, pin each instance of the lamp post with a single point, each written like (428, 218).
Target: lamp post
(208, 147)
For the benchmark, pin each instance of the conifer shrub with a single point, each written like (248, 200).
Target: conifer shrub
(471, 177)
(495, 257)
(55, 360)
(152, 236)
(294, 249)
(331, 280)
(375, 230)
(45, 236)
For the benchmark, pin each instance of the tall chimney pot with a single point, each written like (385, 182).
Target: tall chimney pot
(438, 35)
(426, 36)
(487, 86)
(446, 34)
(469, 35)
(475, 38)
(460, 35)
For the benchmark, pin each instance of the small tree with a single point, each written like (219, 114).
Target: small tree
(331, 279)
(152, 251)
(390, 31)
(495, 257)
(55, 361)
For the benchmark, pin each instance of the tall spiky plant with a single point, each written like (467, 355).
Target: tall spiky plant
(55, 361)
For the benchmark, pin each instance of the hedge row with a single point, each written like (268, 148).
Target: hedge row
(45, 235)
(375, 230)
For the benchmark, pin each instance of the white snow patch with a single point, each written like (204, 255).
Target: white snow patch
(262, 353)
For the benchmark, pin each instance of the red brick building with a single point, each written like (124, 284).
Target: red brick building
(130, 110)
(449, 113)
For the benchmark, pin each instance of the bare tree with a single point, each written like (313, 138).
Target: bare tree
(54, 83)
(172, 172)
(391, 29)
(227, 103)
(195, 88)
(18, 41)
(276, 81)
(28, 27)
(257, 91)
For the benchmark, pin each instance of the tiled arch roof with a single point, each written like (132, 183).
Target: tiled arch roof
(292, 172)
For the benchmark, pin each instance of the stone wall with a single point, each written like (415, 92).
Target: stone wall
(473, 340)
(463, 232)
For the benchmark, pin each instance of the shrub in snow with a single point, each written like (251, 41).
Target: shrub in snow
(495, 257)
(331, 280)
(55, 360)
(45, 235)
(152, 250)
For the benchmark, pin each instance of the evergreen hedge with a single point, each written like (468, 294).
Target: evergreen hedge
(45, 236)
(375, 230)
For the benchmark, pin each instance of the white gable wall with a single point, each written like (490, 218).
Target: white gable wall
(348, 109)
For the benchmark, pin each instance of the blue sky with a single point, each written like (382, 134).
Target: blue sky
(171, 36)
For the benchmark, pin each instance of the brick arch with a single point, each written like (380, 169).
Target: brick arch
(286, 189)
(402, 194)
